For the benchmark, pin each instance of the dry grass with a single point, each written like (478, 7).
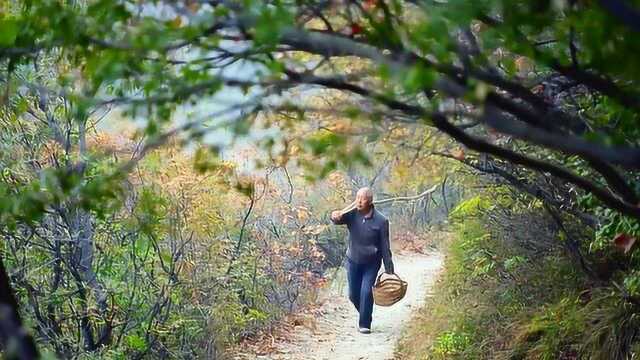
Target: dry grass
(408, 241)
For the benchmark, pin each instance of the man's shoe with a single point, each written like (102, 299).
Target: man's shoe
(364, 330)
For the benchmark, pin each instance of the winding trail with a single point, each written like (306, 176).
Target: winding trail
(335, 335)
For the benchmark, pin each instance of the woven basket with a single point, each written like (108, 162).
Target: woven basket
(389, 291)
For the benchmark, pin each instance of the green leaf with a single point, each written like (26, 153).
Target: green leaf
(321, 143)
(8, 32)
(136, 342)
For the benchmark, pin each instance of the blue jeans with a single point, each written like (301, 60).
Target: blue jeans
(361, 278)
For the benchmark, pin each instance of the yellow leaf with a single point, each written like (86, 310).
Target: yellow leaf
(176, 22)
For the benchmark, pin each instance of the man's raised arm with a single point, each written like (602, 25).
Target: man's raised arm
(340, 218)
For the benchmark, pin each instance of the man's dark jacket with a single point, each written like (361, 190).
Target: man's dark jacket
(368, 238)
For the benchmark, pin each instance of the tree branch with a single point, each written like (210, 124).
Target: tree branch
(476, 144)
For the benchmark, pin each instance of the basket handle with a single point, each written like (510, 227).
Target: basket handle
(383, 273)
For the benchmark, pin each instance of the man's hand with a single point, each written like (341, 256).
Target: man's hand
(336, 215)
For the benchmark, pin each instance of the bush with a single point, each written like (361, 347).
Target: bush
(502, 295)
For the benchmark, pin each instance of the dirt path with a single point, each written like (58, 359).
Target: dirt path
(335, 335)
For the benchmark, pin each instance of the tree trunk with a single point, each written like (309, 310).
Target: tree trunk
(14, 339)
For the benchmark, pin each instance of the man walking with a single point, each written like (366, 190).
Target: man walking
(368, 247)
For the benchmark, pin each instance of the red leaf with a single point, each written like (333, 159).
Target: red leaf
(624, 242)
(356, 29)
(370, 4)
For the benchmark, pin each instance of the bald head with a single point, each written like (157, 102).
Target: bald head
(364, 199)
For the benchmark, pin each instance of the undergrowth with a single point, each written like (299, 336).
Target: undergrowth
(499, 298)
